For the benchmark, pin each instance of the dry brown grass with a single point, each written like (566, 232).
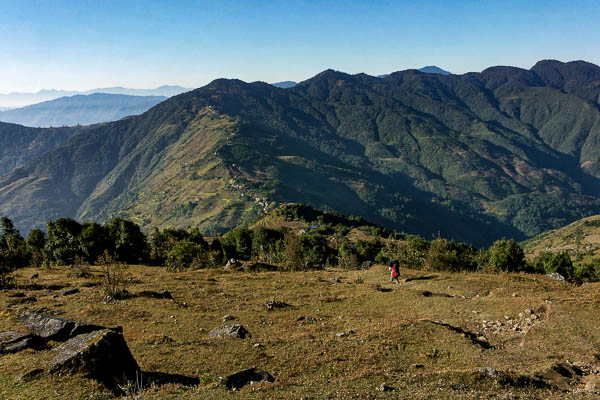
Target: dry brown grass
(393, 332)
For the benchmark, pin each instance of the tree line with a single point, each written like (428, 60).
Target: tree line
(68, 242)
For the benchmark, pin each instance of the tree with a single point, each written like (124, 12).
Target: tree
(507, 255)
(36, 241)
(62, 243)
(94, 241)
(13, 251)
(130, 244)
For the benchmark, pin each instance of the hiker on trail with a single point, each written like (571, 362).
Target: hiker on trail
(394, 266)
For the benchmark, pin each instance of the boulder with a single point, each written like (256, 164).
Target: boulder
(233, 331)
(58, 329)
(557, 277)
(366, 265)
(102, 355)
(246, 376)
(233, 264)
(12, 342)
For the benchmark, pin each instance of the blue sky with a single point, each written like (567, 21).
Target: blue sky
(79, 44)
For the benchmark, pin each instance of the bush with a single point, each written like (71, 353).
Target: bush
(238, 244)
(293, 258)
(186, 255)
(267, 245)
(555, 262)
(115, 277)
(507, 255)
(314, 250)
(447, 255)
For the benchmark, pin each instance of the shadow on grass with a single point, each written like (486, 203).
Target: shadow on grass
(421, 278)
(163, 378)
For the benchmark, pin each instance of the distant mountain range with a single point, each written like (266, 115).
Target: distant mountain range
(432, 69)
(80, 110)
(506, 152)
(285, 84)
(14, 100)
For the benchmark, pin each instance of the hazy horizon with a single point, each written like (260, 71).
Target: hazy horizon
(145, 44)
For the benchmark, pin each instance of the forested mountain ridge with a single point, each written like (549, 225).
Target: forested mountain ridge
(504, 152)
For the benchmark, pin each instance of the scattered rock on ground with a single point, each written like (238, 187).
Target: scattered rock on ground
(102, 355)
(344, 334)
(228, 318)
(58, 329)
(557, 277)
(233, 331)
(306, 319)
(246, 376)
(69, 292)
(34, 276)
(417, 366)
(233, 264)
(366, 265)
(274, 304)
(385, 388)
(13, 342)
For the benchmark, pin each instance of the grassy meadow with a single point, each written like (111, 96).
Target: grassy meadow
(392, 333)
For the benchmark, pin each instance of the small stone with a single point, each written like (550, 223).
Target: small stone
(34, 276)
(417, 366)
(228, 318)
(385, 388)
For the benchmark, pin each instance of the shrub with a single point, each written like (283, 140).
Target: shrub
(447, 255)
(186, 255)
(293, 258)
(238, 244)
(507, 255)
(347, 257)
(555, 262)
(115, 277)
(314, 250)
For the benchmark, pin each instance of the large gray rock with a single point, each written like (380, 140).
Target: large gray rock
(229, 331)
(102, 355)
(12, 342)
(57, 329)
(246, 376)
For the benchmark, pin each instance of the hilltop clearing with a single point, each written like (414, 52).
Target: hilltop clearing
(343, 334)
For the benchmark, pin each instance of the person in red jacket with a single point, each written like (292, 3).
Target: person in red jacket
(394, 267)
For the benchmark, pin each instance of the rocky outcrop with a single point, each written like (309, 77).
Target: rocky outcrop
(12, 342)
(57, 329)
(102, 355)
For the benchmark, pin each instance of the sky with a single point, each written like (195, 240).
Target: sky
(80, 44)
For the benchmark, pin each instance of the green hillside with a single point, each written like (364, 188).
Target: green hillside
(581, 239)
(506, 152)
